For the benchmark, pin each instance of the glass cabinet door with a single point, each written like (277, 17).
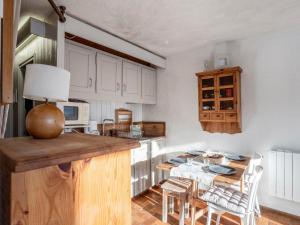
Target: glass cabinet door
(208, 91)
(226, 92)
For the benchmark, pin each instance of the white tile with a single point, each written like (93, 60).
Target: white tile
(100, 110)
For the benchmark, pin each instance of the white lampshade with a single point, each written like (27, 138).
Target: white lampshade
(46, 82)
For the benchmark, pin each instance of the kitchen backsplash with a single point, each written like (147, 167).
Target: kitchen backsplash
(100, 110)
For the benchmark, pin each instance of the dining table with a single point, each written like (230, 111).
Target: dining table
(233, 179)
(236, 178)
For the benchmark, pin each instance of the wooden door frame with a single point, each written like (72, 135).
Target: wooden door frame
(6, 81)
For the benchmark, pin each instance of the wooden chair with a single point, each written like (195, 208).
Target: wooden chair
(180, 188)
(256, 160)
(221, 199)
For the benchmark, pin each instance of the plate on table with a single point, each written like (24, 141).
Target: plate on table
(195, 152)
(221, 169)
(235, 157)
(177, 161)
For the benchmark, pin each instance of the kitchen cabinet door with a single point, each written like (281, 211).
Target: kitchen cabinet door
(131, 86)
(142, 167)
(133, 181)
(157, 157)
(109, 75)
(148, 85)
(80, 62)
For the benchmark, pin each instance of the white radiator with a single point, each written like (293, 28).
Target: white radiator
(285, 174)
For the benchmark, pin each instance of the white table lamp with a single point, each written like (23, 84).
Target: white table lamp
(50, 84)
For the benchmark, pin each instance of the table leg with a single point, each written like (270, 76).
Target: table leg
(181, 209)
(187, 207)
(171, 204)
(193, 216)
(195, 189)
(165, 207)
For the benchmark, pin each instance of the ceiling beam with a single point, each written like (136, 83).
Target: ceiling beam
(59, 10)
(7, 52)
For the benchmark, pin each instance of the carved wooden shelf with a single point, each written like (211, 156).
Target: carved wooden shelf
(219, 97)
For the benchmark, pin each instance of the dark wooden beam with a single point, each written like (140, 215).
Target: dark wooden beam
(89, 43)
(7, 52)
(60, 11)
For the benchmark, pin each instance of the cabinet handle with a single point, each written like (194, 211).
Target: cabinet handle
(90, 82)
(118, 86)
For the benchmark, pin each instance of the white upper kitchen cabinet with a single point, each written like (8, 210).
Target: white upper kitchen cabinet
(81, 64)
(97, 75)
(148, 85)
(109, 76)
(132, 83)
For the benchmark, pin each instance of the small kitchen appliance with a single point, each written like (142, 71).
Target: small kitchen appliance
(76, 112)
(92, 128)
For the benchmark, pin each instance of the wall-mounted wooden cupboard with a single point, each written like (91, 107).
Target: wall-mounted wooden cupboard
(220, 100)
(99, 75)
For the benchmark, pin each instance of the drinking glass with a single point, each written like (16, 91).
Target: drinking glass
(189, 161)
(206, 161)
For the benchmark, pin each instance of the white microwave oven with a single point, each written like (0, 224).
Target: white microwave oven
(76, 113)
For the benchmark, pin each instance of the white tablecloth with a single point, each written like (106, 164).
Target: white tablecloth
(194, 171)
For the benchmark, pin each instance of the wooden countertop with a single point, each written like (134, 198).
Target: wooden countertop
(25, 153)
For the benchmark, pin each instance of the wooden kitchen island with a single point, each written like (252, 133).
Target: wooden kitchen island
(75, 179)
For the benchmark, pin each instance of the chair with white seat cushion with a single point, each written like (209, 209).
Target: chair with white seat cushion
(180, 188)
(256, 160)
(221, 199)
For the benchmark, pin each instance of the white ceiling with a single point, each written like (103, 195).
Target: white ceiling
(171, 26)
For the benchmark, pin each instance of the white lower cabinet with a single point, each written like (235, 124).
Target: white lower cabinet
(132, 174)
(143, 165)
(157, 157)
(140, 170)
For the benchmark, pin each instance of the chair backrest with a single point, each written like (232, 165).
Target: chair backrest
(256, 176)
(255, 160)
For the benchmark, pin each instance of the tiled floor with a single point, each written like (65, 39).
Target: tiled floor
(147, 211)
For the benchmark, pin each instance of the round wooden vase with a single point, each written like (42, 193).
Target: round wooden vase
(45, 121)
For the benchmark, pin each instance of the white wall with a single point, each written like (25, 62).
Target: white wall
(100, 110)
(270, 101)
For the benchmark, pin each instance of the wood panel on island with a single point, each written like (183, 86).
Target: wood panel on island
(219, 98)
(74, 179)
